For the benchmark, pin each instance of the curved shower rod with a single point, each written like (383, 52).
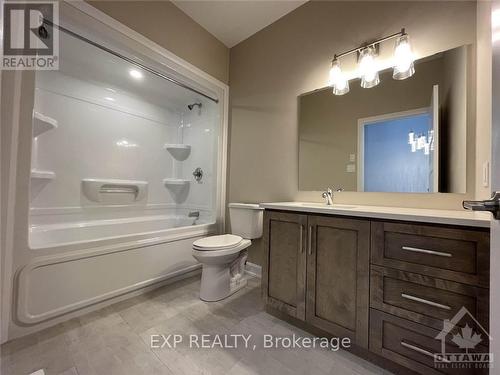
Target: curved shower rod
(127, 59)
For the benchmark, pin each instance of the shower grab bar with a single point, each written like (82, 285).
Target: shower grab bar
(129, 60)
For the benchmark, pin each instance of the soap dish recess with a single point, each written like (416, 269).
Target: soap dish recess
(102, 190)
(42, 175)
(42, 124)
(178, 151)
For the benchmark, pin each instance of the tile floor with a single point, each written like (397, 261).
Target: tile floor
(117, 340)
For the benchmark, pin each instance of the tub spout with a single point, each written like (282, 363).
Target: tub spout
(195, 214)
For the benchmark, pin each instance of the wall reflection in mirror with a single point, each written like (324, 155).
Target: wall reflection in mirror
(400, 136)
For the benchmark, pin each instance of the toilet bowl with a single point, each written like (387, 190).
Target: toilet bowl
(223, 256)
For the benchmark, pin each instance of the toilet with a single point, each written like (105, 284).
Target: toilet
(223, 257)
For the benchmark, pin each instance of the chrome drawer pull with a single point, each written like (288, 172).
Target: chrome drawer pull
(421, 351)
(425, 301)
(430, 252)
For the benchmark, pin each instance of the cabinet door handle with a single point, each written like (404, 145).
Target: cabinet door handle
(309, 240)
(425, 251)
(425, 301)
(421, 350)
(301, 237)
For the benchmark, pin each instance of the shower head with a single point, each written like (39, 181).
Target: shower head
(191, 106)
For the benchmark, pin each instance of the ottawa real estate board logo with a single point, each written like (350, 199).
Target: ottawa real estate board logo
(29, 42)
(464, 343)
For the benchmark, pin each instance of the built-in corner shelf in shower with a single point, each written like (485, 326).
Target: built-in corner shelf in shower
(175, 182)
(42, 175)
(42, 124)
(39, 179)
(178, 151)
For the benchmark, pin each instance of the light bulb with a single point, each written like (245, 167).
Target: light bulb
(338, 81)
(135, 74)
(368, 68)
(403, 58)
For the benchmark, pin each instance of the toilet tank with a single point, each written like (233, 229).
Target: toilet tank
(246, 220)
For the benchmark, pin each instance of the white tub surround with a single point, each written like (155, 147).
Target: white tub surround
(450, 217)
(94, 219)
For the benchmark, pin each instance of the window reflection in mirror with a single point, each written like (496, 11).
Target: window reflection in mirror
(400, 136)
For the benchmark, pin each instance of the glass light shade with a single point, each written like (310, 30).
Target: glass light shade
(403, 58)
(338, 81)
(368, 68)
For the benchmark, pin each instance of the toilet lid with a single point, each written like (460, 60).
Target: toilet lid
(223, 241)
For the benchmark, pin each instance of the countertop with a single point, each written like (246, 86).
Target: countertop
(450, 217)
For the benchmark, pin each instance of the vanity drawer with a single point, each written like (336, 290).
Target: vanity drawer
(450, 253)
(424, 299)
(413, 345)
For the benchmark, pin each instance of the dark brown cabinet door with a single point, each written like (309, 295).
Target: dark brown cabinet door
(338, 276)
(284, 271)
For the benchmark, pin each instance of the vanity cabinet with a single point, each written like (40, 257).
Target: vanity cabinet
(284, 275)
(452, 253)
(317, 269)
(338, 276)
(387, 285)
(421, 276)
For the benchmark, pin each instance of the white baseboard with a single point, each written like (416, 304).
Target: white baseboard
(253, 269)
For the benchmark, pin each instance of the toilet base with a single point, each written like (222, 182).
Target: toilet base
(216, 283)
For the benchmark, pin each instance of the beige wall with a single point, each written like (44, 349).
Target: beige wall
(292, 56)
(168, 26)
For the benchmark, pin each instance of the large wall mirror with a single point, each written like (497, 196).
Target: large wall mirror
(400, 136)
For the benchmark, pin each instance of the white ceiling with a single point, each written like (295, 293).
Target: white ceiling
(235, 20)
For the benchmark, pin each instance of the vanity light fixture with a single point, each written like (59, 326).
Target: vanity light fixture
(368, 68)
(338, 80)
(403, 58)
(367, 63)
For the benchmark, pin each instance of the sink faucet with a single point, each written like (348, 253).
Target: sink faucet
(328, 195)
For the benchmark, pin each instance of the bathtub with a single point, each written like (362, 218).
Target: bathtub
(91, 232)
(92, 262)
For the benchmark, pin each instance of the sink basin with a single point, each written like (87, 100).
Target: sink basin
(323, 205)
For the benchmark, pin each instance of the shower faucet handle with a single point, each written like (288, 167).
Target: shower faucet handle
(198, 174)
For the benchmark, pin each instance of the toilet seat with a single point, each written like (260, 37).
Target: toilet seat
(221, 242)
(221, 252)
